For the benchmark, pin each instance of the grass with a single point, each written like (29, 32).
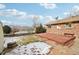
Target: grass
(27, 40)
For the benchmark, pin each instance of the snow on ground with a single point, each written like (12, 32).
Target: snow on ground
(36, 48)
(10, 39)
(21, 32)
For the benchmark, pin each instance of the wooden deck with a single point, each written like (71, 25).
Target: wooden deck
(60, 39)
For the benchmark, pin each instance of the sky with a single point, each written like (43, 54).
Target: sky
(25, 13)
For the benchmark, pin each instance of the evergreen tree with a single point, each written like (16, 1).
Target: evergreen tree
(6, 29)
(40, 29)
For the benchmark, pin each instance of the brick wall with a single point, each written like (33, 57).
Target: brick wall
(74, 29)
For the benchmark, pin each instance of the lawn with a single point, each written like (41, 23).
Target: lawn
(27, 39)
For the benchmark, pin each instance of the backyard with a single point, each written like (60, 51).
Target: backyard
(39, 29)
(35, 45)
(25, 43)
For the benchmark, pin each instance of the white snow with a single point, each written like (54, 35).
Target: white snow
(10, 39)
(21, 32)
(36, 48)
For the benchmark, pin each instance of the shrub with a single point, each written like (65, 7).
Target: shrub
(27, 40)
(6, 29)
(40, 29)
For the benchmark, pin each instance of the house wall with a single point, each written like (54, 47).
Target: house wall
(74, 29)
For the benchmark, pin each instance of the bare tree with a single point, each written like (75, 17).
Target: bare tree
(74, 12)
(35, 21)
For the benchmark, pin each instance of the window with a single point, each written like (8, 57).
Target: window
(68, 25)
(58, 27)
(49, 26)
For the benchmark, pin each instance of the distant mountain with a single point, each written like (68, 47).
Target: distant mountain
(21, 28)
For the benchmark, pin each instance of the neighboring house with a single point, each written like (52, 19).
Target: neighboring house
(67, 25)
(1, 38)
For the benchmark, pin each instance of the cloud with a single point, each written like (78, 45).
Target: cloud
(48, 5)
(2, 6)
(66, 13)
(13, 12)
(73, 11)
(49, 18)
(24, 15)
(19, 14)
(35, 16)
(40, 18)
(76, 8)
(5, 22)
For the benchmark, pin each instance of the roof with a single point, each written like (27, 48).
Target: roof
(71, 19)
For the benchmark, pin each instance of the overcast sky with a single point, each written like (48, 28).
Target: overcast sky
(23, 14)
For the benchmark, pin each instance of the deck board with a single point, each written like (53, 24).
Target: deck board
(61, 39)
